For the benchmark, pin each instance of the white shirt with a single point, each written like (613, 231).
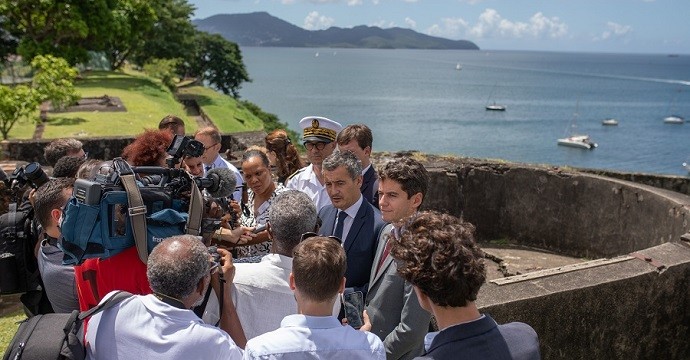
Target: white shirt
(261, 294)
(219, 162)
(143, 327)
(351, 213)
(306, 182)
(315, 337)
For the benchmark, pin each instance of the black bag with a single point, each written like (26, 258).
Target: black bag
(17, 239)
(55, 336)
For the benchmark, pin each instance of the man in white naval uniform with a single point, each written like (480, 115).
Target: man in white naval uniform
(319, 135)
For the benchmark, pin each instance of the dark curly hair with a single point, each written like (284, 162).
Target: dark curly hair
(148, 148)
(287, 158)
(437, 253)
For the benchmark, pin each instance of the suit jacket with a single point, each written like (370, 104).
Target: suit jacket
(370, 187)
(484, 339)
(360, 244)
(393, 308)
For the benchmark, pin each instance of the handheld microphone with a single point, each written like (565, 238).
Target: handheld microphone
(219, 182)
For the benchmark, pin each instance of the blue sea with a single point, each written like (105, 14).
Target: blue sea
(417, 100)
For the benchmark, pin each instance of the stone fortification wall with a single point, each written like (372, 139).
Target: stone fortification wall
(110, 147)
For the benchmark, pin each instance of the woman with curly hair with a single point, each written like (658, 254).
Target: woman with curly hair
(283, 154)
(148, 149)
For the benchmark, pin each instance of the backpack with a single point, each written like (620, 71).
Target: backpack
(55, 336)
(102, 220)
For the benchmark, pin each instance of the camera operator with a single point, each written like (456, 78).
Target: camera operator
(160, 325)
(58, 279)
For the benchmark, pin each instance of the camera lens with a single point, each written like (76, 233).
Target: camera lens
(35, 174)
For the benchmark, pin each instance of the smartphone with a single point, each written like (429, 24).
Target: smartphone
(353, 302)
(259, 228)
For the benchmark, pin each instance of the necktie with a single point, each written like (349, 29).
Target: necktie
(208, 167)
(386, 251)
(338, 232)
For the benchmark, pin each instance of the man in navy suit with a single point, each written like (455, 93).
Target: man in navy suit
(350, 217)
(438, 255)
(358, 139)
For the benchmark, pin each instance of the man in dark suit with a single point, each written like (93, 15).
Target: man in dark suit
(350, 217)
(393, 308)
(358, 139)
(438, 255)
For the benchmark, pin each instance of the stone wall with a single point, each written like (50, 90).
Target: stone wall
(109, 147)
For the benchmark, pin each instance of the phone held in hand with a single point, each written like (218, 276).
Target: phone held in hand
(353, 302)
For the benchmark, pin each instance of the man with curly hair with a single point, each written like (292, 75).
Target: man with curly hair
(438, 255)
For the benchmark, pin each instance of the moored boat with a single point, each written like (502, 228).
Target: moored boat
(674, 119)
(609, 122)
(578, 141)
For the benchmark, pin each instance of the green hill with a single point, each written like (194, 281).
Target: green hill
(146, 101)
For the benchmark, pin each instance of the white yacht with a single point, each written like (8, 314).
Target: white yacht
(609, 122)
(674, 119)
(578, 141)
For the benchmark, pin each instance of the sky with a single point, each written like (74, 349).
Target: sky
(613, 26)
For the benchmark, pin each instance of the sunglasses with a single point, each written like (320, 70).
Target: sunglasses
(310, 234)
(318, 145)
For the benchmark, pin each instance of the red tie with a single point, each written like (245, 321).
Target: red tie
(386, 251)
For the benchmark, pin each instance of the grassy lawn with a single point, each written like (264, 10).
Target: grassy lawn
(226, 112)
(8, 326)
(147, 102)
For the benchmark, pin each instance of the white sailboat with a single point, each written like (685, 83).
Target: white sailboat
(494, 106)
(458, 66)
(572, 139)
(673, 119)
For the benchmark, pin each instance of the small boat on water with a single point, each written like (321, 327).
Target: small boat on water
(578, 141)
(609, 122)
(674, 119)
(495, 107)
(458, 66)
(572, 139)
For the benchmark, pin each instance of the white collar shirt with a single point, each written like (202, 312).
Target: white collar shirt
(143, 327)
(315, 337)
(307, 182)
(351, 213)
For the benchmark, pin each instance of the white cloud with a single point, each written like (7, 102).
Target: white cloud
(354, 2)
(383, 24)
(491, 24)
(614, 31)
(287, 2)
(471, 2)
(314, 21)
(410, 23)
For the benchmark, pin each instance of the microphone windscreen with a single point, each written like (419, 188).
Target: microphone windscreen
(224, 182)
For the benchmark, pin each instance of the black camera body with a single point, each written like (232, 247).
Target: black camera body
(32, 174)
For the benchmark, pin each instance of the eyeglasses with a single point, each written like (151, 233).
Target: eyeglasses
(86, 155)
(210, 146)
(310, 234)
(317, 145)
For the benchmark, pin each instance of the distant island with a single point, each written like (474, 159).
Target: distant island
(263, 29)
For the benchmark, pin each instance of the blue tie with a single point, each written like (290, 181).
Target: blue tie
(339, 226)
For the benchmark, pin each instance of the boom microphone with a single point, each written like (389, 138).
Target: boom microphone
(219, 182)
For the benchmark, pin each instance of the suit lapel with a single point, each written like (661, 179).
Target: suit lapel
(328, 220)
(357, 224)
(375, 275)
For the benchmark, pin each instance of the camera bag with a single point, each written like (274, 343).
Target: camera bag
(137, 216)
(55, 336)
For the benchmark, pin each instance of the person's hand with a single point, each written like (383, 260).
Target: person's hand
(366, 321)
(241, 235)
(32, 197)
(226, 265)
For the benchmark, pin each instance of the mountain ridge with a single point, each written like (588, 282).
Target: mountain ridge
(263, 29)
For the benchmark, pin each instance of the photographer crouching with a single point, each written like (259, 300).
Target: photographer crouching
(160, 325)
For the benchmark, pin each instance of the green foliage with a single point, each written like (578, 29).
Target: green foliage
(271, 121)
(217, 61)
(165, 70)
(131, 22)
(172, 34)
(16, 103)
(54, 80)
(64, 28)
